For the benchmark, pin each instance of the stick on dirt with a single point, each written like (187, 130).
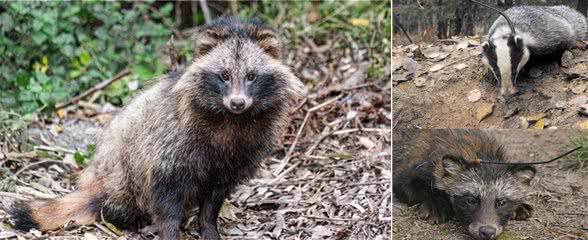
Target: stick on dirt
(97, 87)
(172, 54)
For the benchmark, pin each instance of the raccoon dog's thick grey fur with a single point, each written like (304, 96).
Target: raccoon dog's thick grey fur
(435, 169)
(185, 142)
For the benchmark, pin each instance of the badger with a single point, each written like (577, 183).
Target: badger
(436, 170)
(185, 142)
(527, 34)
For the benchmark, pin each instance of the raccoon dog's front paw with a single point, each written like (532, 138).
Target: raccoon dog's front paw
(523, 212)
(431, 214)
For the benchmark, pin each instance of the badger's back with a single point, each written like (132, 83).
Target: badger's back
(544, 29)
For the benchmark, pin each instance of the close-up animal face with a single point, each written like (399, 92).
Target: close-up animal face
(484, 197)
(238, 71)
(505, 57)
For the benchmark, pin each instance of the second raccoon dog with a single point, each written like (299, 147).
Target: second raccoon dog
(434, 169)
(185, 142)
(540, 33)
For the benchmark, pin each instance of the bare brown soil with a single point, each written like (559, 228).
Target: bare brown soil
(433, 91)
(559, 197)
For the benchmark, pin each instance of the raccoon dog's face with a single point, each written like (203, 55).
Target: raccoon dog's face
(505, 56)
(484, 197)
(237, 70)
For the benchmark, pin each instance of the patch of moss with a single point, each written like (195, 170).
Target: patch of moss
(508, 236)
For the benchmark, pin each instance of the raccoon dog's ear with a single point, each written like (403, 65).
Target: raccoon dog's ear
(206, 39)
(268, 41)
(452, 165)
(518, 41)
(523, 173)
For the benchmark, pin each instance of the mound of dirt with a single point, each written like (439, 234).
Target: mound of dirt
(445, 85)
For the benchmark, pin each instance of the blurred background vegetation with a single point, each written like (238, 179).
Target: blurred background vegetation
(52, 51)
(429, 20)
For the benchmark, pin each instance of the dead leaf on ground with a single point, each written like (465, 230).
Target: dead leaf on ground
(474, 95)
(484, 110)
(436, 67)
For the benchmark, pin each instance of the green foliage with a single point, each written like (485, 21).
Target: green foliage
(54, 50)
(288, 18)
(81, 156)
(13, 134)
(579, 160)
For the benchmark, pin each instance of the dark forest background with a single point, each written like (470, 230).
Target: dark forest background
(429, 20)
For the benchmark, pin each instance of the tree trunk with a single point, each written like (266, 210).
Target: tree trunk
(582, 6)
(441, 23)
(470, 17)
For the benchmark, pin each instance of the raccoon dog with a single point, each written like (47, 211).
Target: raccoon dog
(434, 169)
(537, 34)
(185, 142)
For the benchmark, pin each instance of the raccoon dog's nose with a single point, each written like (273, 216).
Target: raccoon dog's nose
(237, 103)
(487, 233)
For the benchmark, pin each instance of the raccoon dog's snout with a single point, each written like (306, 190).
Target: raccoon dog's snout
(237, 104)
(487, 232)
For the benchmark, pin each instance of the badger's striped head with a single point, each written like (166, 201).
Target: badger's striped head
(484, 197)
(505, 56)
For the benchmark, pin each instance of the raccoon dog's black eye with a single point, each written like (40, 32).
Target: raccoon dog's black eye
(471, 200)
(250, 77)
(225, 76)
(500, 202)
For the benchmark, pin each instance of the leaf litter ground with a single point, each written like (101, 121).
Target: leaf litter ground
(330, 180)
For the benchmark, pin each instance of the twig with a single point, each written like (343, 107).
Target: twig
(363, 85)
(399, 25)
(234, 7)
(206, 11)
(334, 219)
(54, 149)
(317, 142)
(286, 158)
(363, 184)
(34, 164)
(313, 47)
(174, 29)
(299, 106)
(14, 195)
(345, 131)
(97, 87)
(105, 230)
(332, 100)
(275, 180)
(172, 54)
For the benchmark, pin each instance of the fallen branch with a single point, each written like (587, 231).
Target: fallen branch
(286, 158)
(172, 54)
(15, 196)
(36, 163)
(97, 87)
(206, 11)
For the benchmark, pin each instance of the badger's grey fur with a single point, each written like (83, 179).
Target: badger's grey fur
(541, 33)
(435, 169)
(182, 143)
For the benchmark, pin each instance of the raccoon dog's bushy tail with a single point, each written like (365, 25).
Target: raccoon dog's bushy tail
(78, 206)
